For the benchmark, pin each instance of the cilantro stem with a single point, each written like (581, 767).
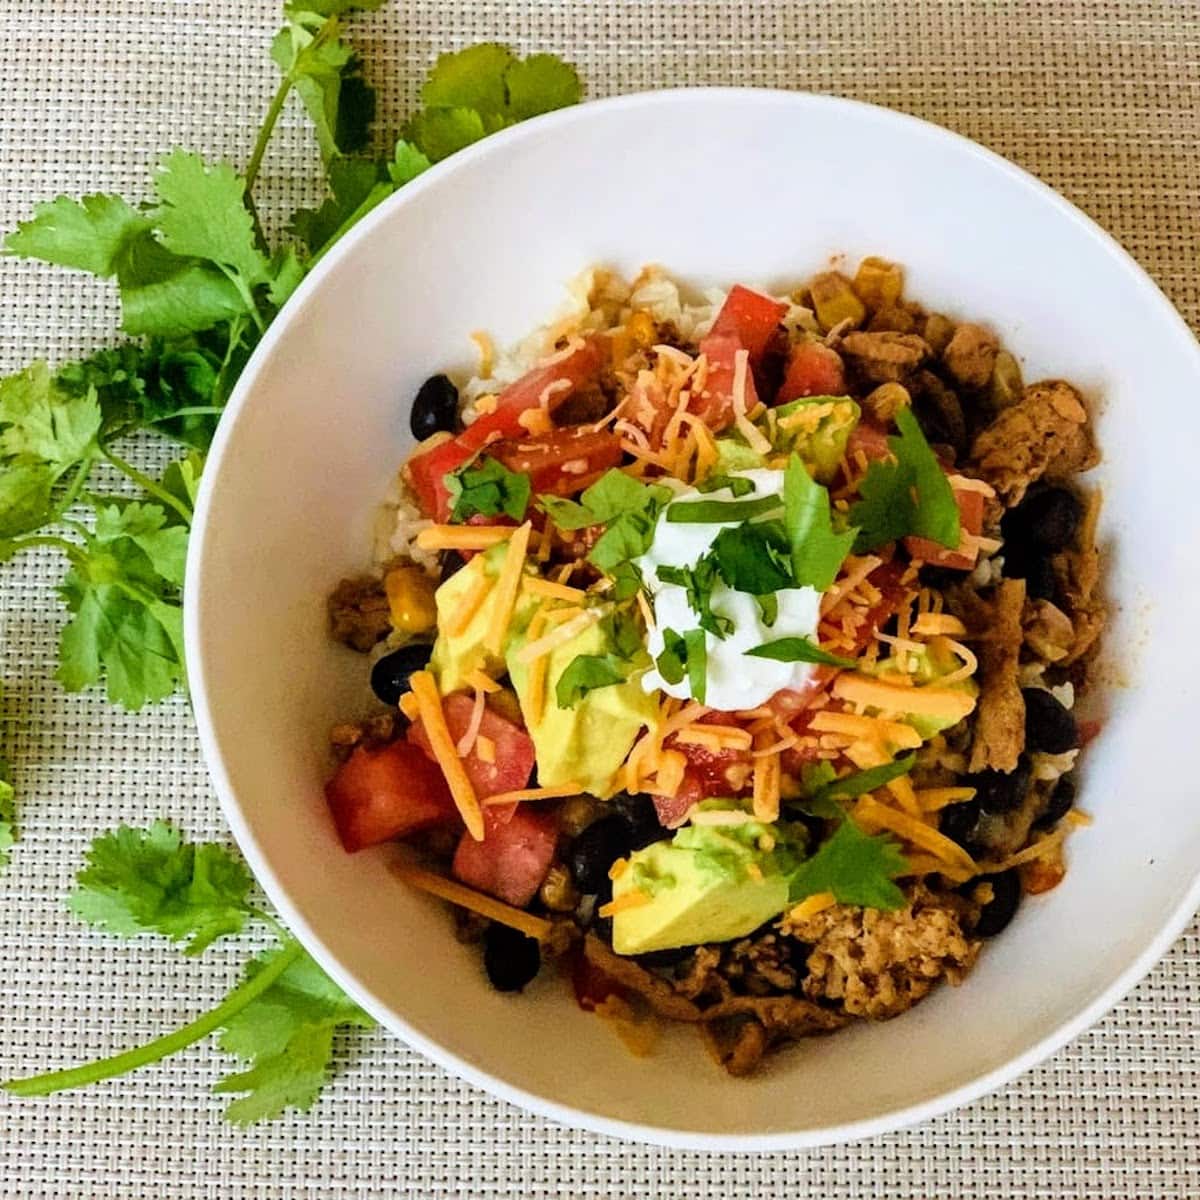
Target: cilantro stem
(163, 1047)
(264, 137)
(76, 485)
(48, 539)
(203, 410)
(147, 484)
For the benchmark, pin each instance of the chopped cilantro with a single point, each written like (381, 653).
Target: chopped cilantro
(737, 485)
(753, 558)
(699, 582)
(713, 512)
(910, 495)
(818, 550)
(696, 648)
(672, 662)
(798, 649)
(855, 867)
(585, 673)
(859, 783)
(487, 488)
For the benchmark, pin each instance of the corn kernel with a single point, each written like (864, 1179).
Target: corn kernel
(835, 302)
(410, 599)
(878, 283)
(886, 400)
(938, 331)
(642, 329)
(1007, 385)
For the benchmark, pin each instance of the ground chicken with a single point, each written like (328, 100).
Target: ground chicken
(970, 355)
(1046, 434)
(359, 615)
(884, 357)
(879, 964)
(994, 625)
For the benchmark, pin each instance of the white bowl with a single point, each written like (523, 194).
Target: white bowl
(720, 186)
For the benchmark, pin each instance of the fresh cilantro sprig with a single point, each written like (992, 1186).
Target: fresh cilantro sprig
(907, 494)
(856, 867)
(279, 1020)
(799, 649)
(685, 655)
(624, 652)
(487, 488)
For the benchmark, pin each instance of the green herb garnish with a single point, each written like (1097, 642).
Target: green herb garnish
(487, 488)
(860, 783)
(738, 485)
(799, 649)
(585, 673)
(818, 549)
(855, 867)
(714, 512)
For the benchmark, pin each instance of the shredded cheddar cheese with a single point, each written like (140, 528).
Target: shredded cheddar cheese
(485, 748)
(556, 792)
(469, 604)
(464, 537)
(811, 905)
(483, 683)
(870, 812)
(624, 902)
(567, 631)
(507, 585)
(894, 697)
(433, 717)
(929, 624)
(555, 591)
(465, 897)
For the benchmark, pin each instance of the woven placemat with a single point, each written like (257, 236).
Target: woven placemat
(1098, 98)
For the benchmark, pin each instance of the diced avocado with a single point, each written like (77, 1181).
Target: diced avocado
(932, 663)
(454, 658)
(709, 883)
(587, 743)
(735, 455)
(818, 429)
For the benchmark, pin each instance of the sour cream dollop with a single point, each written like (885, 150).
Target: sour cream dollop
(734, 679)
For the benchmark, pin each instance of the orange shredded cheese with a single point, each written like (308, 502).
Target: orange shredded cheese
(555, 792)
(933, 799)
(468, 605)
(929, 624)
(619, 867)
(624, 902)
(668, 777)
(482, 683)
(854, 725)
(408, 706)
(433, 717)
(464, 537)
(1040, 849)
(767, 778)
(717, 737)
(485, 748)
(555, 591)
(465, 897)
(487, 353)
(811, 905)
(536, 420)
(892, 697)
(507, 584)
(568, 630)
(912, 829)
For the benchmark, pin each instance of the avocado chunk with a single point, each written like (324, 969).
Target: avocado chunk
(709, 883)
(454, 658)
(588, 743)
(818, 429)
(933, 662)
(735, 455)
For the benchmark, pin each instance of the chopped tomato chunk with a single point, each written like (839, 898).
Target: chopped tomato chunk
(812, 370)
(387, 793)
(514, 748)
(513, 858)
(426, 476)
(750, 317)
(562, 462)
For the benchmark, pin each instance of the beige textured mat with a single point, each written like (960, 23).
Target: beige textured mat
(1098, 98)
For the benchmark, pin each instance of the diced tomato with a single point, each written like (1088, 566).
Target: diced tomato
(592, 985)
(562, 462)
(427, 472)
(564, 377)
(513, 858)
(387, 793)
(970, 518)
(708, 773)
(750, 317)
(869, 438)
(514, 748)
(812, 370)
(746, 321)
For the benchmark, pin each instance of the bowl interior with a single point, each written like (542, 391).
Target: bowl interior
(761, 188)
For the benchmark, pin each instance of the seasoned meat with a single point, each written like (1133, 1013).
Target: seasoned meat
(656, 991)
(376, 730)
(738, 1044)
(1078, 574)
(879, 964)
(1049, 632)
(1046, 434)
(970, 355)
(358, 613)
(893, 319)
(884, 357)
(995, 626)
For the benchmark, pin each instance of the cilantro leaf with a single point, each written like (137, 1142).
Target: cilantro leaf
(622, 633)
(615, 494)
(150, 881)
(672, 662)
(737, 485)
(488, 488)
(798, 649)
(699, 582)
(39, 424)
(8, 815)
(585, 673)
(697, 663)
(857, 868)
(286, 1034)
(89, 234)
(407, 163)
(754, 558)
(859, 783)
(567, 514)
(910, 495)
(441, 132)
(122, 592)
(471, 78)
(202, 213)
(540, 84)
(711, 512)
(817, 550)
(182, 478)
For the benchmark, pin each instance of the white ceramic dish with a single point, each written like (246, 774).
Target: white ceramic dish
(721, 186)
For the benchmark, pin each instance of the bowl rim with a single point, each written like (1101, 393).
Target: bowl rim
(892, 1119)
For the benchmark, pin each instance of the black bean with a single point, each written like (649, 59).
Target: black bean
(639, 814)
(390, 675)
(1048, 725)
(595, 850)
(995, 915)
(451, 563)
(510, 958)
(1002, 791)
(1058, 803)
(435, 410)
(960, 823)
(1048, 518)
